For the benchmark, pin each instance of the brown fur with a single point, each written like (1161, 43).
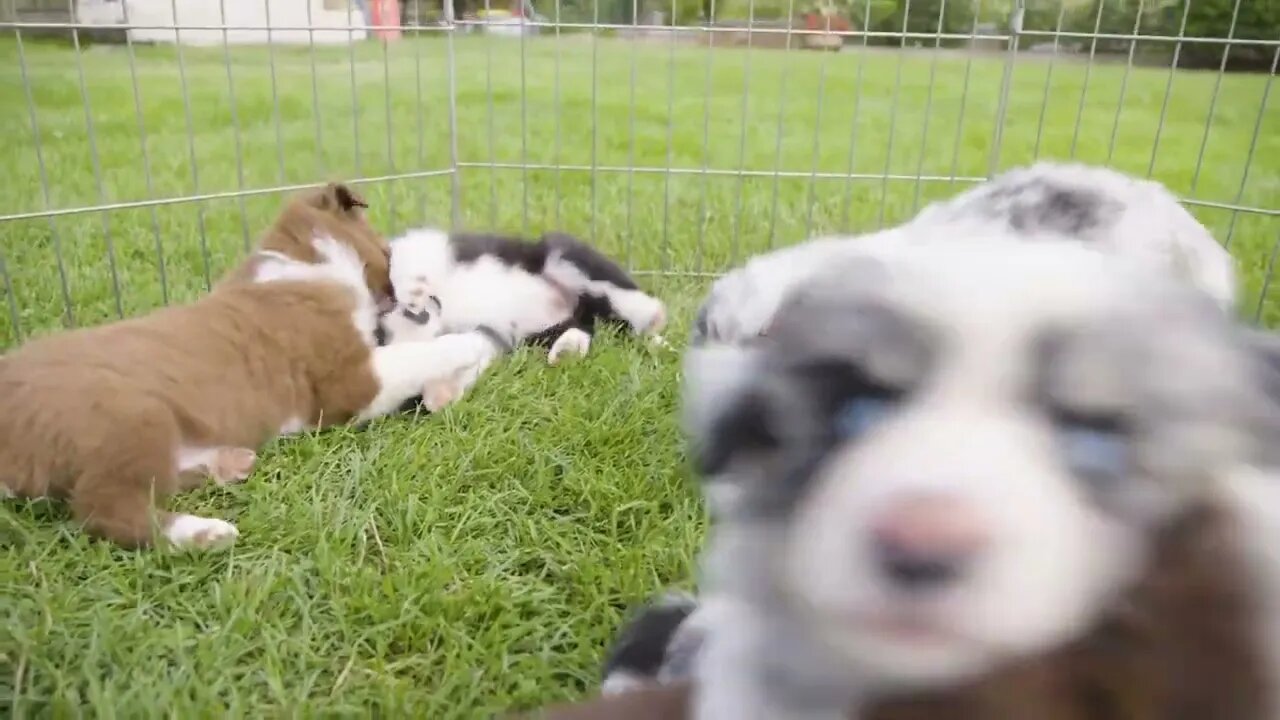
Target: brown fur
(336, 210)
(1183, 647)
(97, 415)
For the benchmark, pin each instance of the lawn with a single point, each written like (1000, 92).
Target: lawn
(480, 559)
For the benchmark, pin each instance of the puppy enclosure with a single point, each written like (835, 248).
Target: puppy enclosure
(680, 137)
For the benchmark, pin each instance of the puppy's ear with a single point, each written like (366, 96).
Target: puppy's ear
(744, 427)
(344, 197)
(1263, 348)
(722, 413)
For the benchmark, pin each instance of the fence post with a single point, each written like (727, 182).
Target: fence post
(1015, 29)
(455, 186)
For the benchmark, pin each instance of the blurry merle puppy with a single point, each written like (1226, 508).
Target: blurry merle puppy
(981, 479)
(549, 292)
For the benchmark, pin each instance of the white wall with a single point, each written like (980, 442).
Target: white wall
(283, 13)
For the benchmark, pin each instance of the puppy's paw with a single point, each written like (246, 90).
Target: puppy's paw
(439, 393)
(658, 320)
(232, 465)
(193, 531)
(646, 314)
(573, 342)
(415, 297)
(657, 342)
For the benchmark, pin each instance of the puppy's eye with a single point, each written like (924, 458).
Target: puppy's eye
(861, 413)
(1096, 449)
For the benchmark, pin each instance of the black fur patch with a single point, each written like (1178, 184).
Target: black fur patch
(641, 646)
(701, 325)
(516, 252)
(504, 344)
(1040, 204)
(413, 406)
(592, 262)
(744, 426)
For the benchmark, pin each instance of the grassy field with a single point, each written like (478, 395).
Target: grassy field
(480, 559)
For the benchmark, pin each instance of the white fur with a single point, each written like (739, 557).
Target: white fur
(192, 458)
(5, 492)
(293, 426)
(214, 462)
(573, 341)
(441, 370)
(1152, 227)
(622, 682)
(339, 263)
(192, 531)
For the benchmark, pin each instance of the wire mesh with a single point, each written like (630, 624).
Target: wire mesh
(681, 137)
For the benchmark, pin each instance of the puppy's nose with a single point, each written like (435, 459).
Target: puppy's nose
(925, 543)
(421, 317)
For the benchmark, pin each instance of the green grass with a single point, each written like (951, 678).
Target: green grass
(480, 559)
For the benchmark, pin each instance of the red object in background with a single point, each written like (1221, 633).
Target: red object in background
(385, 12)
(817, 21)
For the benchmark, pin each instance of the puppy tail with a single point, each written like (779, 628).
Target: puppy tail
(641, 653)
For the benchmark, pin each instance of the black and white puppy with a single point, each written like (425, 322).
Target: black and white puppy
(550, 292)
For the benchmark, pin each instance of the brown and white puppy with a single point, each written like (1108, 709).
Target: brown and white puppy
(115, 418)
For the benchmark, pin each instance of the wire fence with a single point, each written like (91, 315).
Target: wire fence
(149, 138)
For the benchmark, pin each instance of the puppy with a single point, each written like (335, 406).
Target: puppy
(115, 418)
(1126, 216)
(550, 292)
(989, 479)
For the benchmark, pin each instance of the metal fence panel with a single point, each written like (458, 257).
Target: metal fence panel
(681, 138)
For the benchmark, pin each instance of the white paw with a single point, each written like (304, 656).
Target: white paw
(622, 682)
(439, 393)
(192, 531)
(659, 342)
(573, 341)
(414, 294)
(468, 355)
(645, 313)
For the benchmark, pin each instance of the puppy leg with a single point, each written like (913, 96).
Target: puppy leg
(644, 313)
(583, 270)
(222, 465)
(440, 370)
(116, 494)
(751, 667)
(574, 342)
(232, 465)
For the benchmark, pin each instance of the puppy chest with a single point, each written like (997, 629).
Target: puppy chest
(489, 293)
